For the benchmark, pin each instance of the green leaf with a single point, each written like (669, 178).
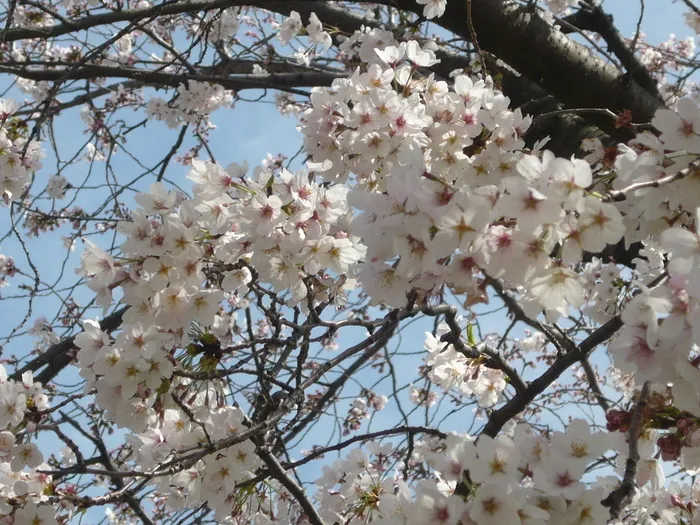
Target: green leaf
(470, 334)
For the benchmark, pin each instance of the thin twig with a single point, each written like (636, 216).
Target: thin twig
(475, 40)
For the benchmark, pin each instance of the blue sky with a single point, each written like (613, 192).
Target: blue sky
(661, 18)
(247, 133)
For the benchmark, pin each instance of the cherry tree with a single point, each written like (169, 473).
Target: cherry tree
(472, 296)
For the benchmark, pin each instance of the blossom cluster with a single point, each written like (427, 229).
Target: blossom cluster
(215, 479)
(290, 229)
(222, 26)
(415, 185)
(452, 371)
(23, 484)
(292, 27)
(137, 389)
(181, 258)
(446, 189)
(661, 333)
(518, 477)
(195, 102)
(449, 197)
(18, 156)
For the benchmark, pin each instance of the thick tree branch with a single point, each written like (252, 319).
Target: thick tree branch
(58, 356)
(167, 8)
(564, 361)
(519, 402)
(278, 473)
(568, 70)
(591, 17)
(281, 81)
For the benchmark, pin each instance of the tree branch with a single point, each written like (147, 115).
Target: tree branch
(59, 355)
(277, 472)
(519, 402)
(619, 498)
(281, 81)
(591, 17)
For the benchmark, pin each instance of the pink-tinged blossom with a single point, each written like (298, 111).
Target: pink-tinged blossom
(557, 290)
(492, 504)
(97, 265)
(680, 129)
(498, 461)
(25, 455)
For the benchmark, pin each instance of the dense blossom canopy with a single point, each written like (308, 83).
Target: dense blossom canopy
(220, 304)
